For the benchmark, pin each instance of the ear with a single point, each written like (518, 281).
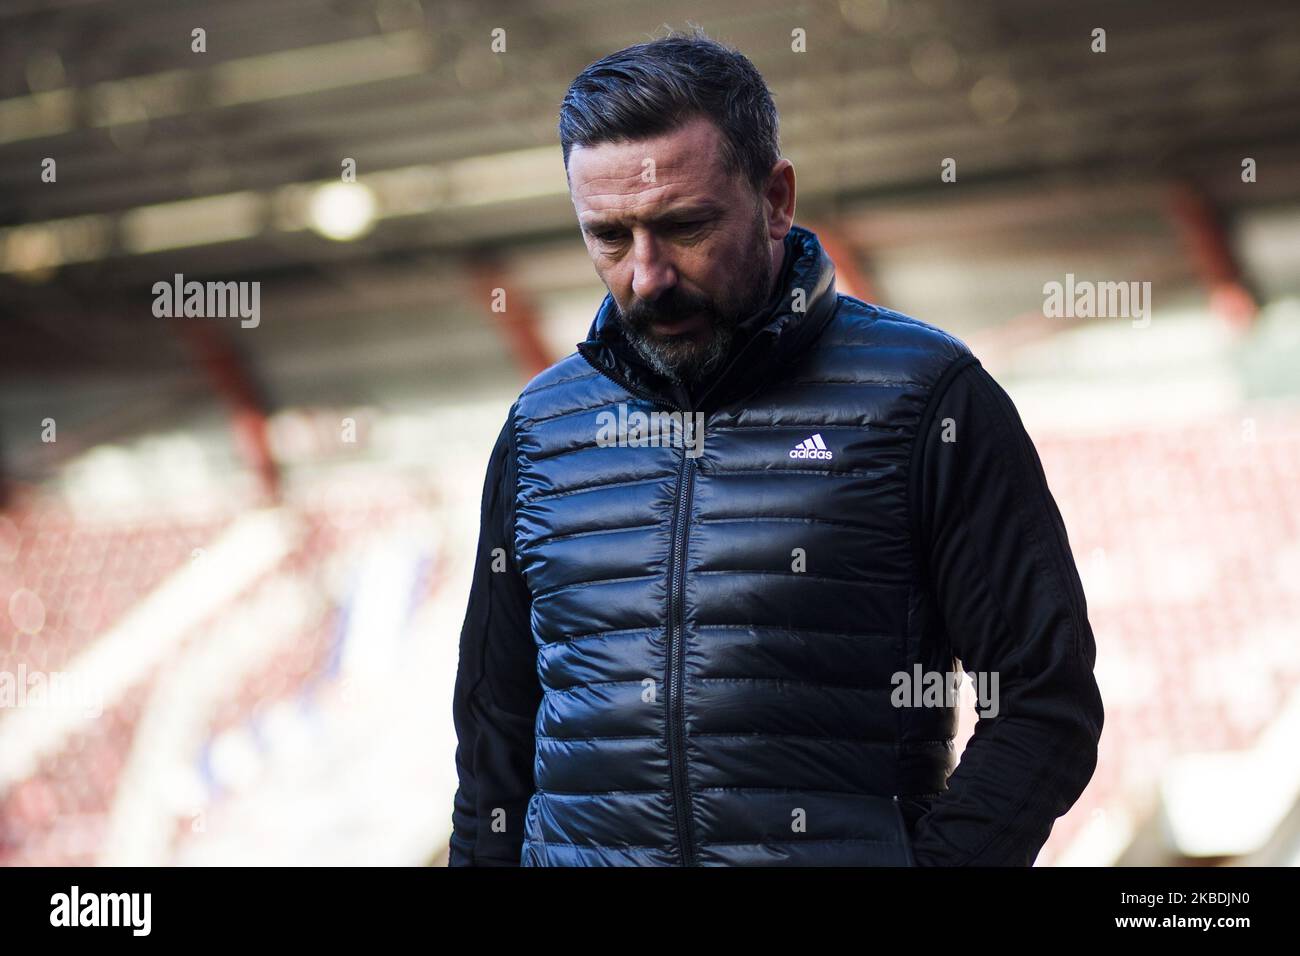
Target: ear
(778, 198)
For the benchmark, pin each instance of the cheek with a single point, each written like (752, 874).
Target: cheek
(709, 271)
(732, 252)
(617, 278)
(602, 264)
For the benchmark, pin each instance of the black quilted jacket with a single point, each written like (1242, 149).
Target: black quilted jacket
(736, 651)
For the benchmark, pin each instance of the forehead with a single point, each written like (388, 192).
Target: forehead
(688, 163)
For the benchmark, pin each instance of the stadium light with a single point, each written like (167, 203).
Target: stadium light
(342, 211)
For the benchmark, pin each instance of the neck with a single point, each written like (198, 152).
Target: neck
(778, 260)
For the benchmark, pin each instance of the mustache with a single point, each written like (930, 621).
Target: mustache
(668, 308)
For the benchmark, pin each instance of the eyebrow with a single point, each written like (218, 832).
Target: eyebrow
(682, 212)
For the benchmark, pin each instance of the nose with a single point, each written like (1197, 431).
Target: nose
(652, 272)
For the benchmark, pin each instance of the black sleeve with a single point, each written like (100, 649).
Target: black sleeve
(997, 564)
(497, 689)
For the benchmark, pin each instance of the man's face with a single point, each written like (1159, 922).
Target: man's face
(684, 248)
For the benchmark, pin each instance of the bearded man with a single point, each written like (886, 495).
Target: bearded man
(677, 659)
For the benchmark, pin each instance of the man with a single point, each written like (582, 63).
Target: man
(685, 652)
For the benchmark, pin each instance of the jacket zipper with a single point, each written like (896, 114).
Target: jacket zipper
(677, 663)
(676, 643)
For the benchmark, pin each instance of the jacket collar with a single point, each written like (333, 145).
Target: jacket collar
(771, 338)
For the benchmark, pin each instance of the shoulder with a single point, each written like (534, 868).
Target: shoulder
(887, 327)
(570, 368)
(906, 346)
(547, 391)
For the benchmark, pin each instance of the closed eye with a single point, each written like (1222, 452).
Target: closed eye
(684, 227)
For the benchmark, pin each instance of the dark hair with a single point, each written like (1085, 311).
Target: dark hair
(658, 86)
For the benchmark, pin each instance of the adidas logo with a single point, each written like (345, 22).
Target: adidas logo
(812, 447)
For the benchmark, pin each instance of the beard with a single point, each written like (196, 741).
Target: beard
(680, 358)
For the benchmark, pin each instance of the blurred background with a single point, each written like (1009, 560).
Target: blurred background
(234, 554)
